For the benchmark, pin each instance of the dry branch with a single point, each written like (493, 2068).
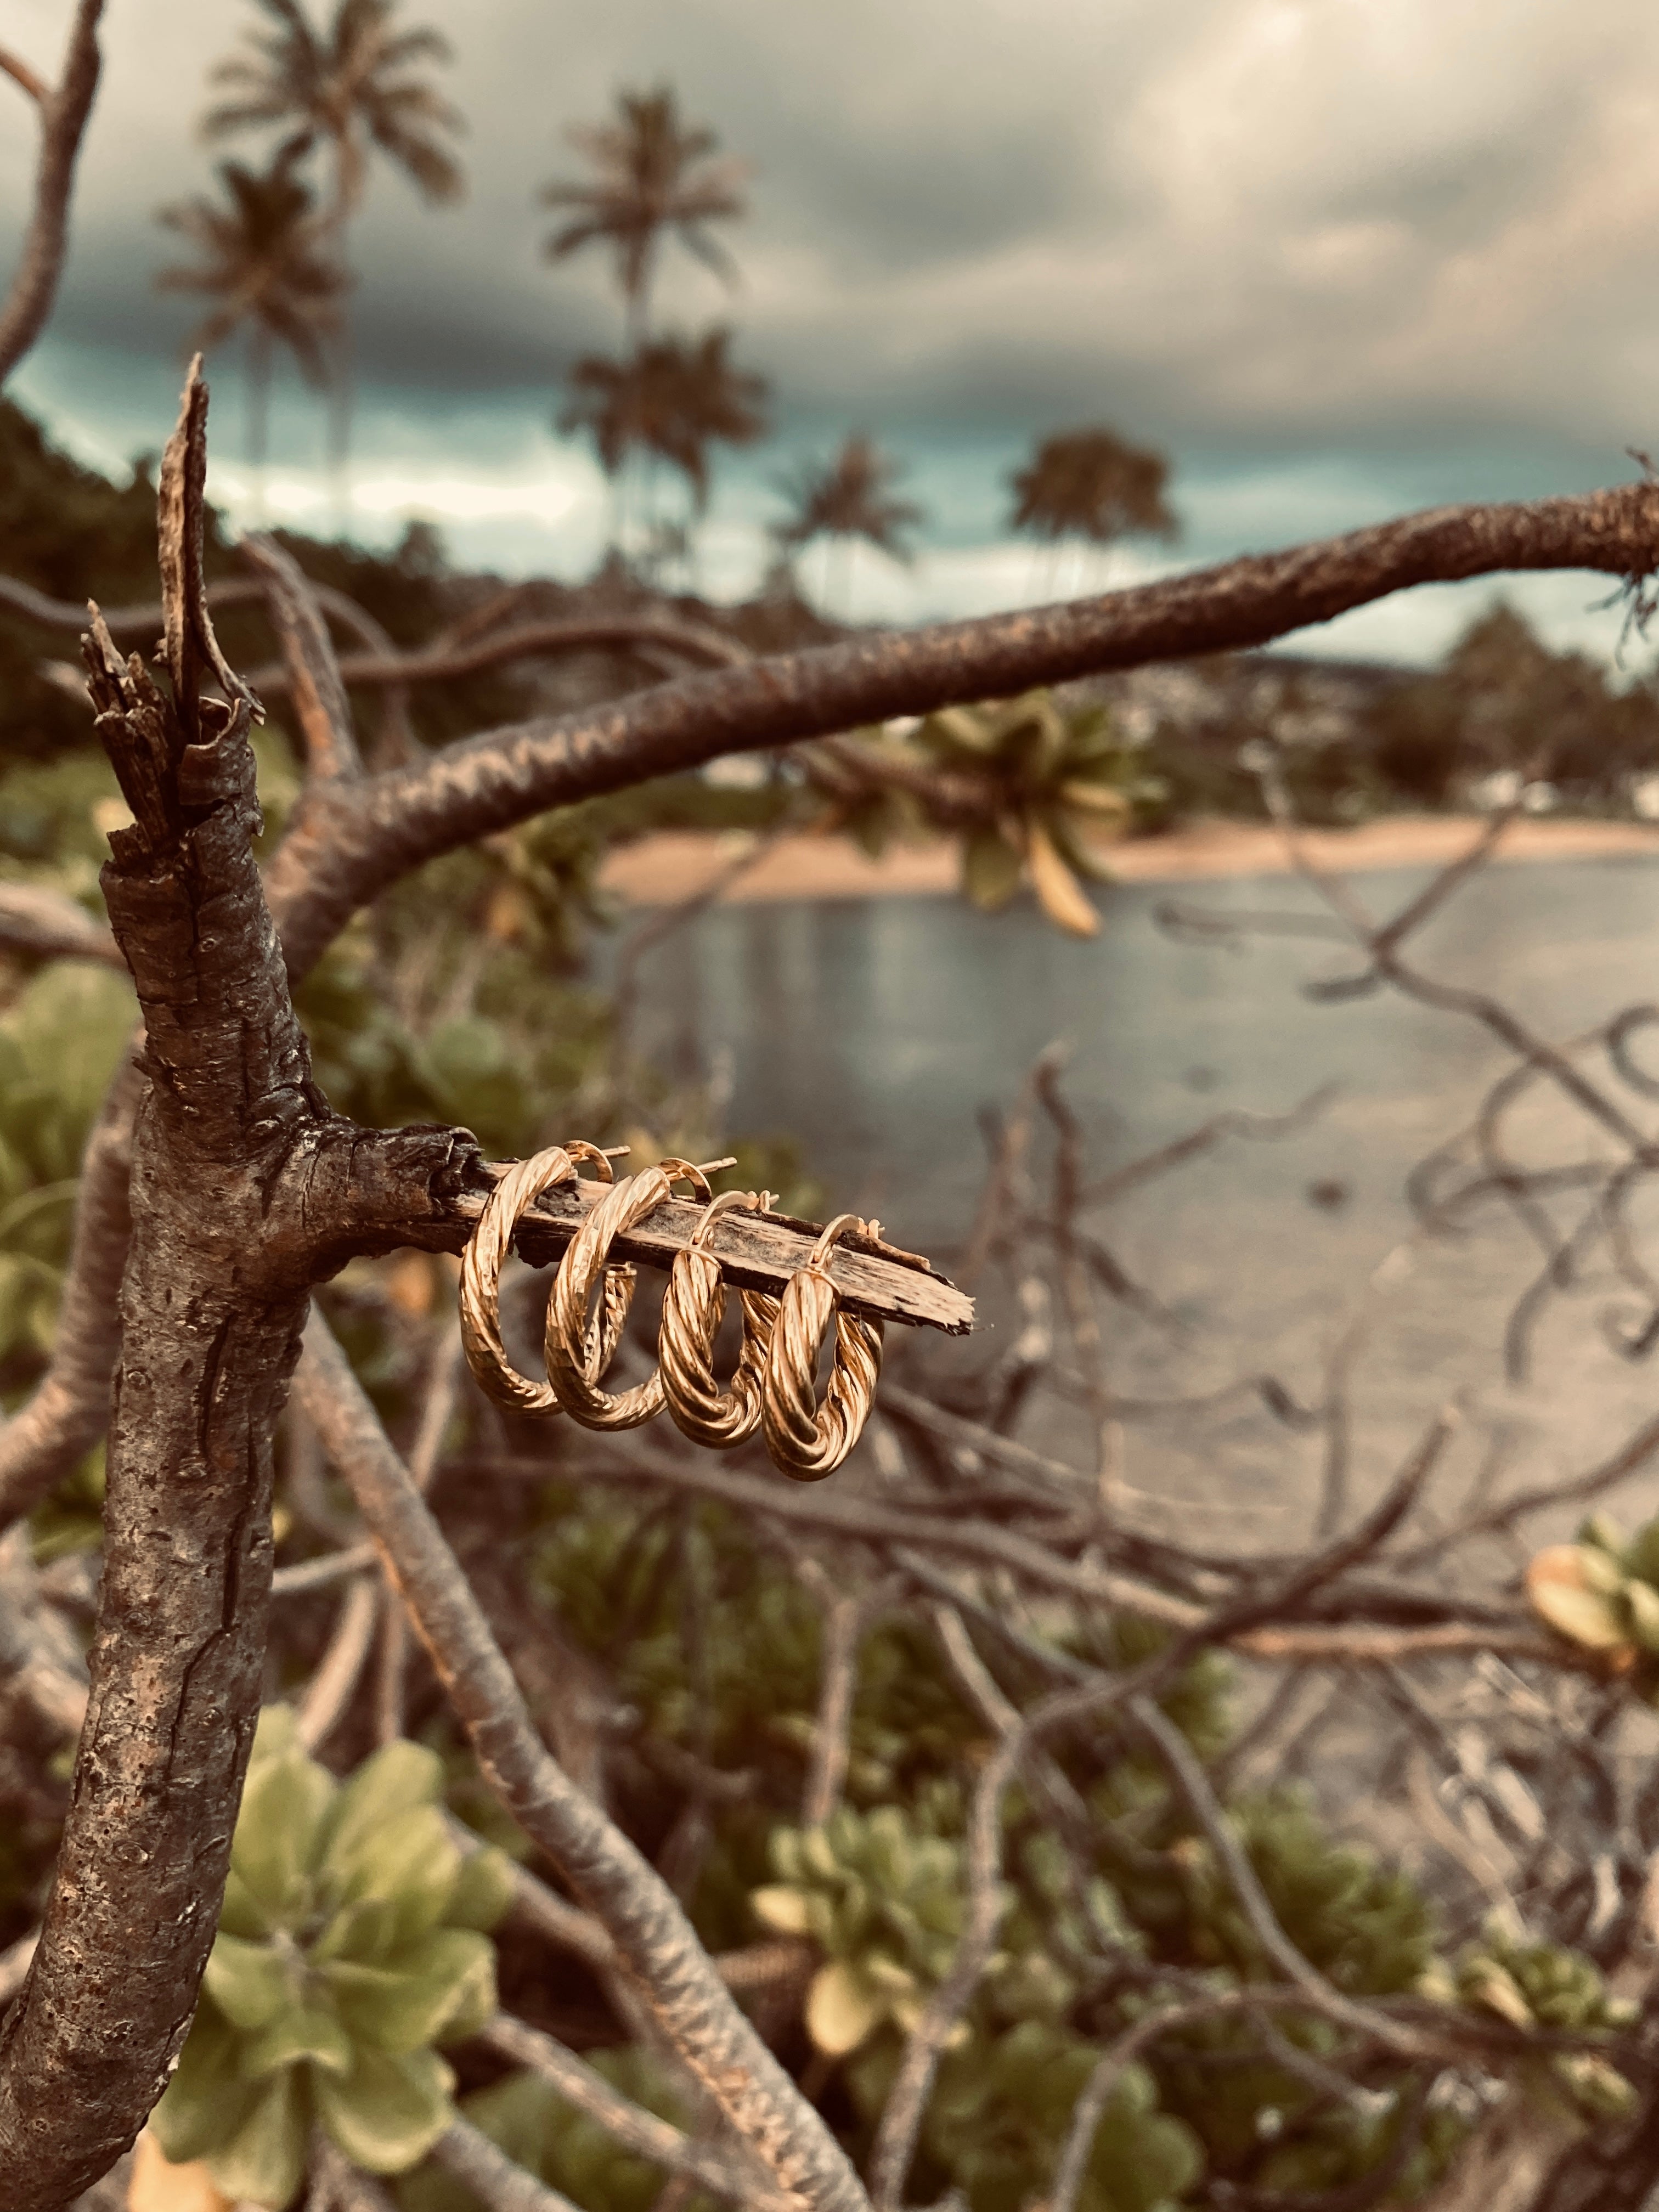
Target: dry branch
(655, 1945)
(875, 1279)
(311, 674)
(50, 926)
(69, 1409)
(632, 2126)
(527, 641)
(64, 112)
(346, 846)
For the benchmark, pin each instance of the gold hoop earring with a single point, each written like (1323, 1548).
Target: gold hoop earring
(481, 1275)
(573, 1344)
(808, 1441)
(693, 1307)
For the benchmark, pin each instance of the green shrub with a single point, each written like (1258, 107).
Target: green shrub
(351, 1945)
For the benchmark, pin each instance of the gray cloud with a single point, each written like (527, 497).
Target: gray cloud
(1258, 231)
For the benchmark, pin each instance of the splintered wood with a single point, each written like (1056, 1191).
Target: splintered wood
(874, 1279)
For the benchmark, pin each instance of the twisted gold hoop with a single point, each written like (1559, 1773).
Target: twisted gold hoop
(807, 1441)
(693, 1307)
(480, 1276)
(573, 1345)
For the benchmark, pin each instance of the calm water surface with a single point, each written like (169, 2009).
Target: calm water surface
(877, 1032)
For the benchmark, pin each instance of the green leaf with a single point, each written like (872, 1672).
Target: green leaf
(1644, 1602)
(1597, 1572)
(483, 1890)
(787, 1910)
(207, 2100)
(1578, 1613)
(990, 870)
(366, 1930)
(841, 2010)
(250, 1983)
(241, 1913)
(411, 1861)
(449, 1976)
(387, 2114)
(398, 1778)
(274, 1849)
(1604, 1532)
(264, 2161)
(1485, 1982)
(1642, 1555)
(301, 2031)
(1059, 893)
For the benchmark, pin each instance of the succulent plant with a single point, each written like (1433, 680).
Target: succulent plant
(1543, 1985)
(1603, 1593)
(883, 1901)
(352, 1944)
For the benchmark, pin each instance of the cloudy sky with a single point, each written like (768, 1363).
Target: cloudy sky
(1337, 257)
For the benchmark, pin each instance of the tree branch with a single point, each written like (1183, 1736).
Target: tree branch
(14, 67)
(345, 847)
(50, 925)
(876, 1280)
(468, 2153)
(312, 674)
(69, 1409)
(63, 114)
(656, 1946)
(237, 1176)
(630, 2124)
(528, 641)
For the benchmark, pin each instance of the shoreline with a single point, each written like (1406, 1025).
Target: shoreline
(673, 866)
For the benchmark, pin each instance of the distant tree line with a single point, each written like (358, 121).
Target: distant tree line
(272, 259)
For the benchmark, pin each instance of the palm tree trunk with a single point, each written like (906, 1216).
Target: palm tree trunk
(341, 395)
(259, 414)
(347, 192)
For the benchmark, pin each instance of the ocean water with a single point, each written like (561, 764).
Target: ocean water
(878, 1033)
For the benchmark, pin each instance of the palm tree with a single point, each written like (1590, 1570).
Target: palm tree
(848, 499)
(263, 263)
(707, 400)
(348, 90)
(672, 398)
(654, 176)
(1089, 485)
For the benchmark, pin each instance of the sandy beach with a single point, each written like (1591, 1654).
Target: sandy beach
(678, 865)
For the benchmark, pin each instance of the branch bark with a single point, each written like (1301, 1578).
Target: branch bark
(63, 114)
(246, 1189)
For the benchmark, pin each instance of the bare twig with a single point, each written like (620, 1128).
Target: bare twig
(336, 1674)
(468, 2153)
(64, 112)
(437, 1410)
(843, 1620)
(14, 67)
(314, 674)
(318, 1574)
(756, 1252)
(530, 641)
(50, 926)
(69, 1408)
(629, 2124)
(656, 1946)
(1322, 1996)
